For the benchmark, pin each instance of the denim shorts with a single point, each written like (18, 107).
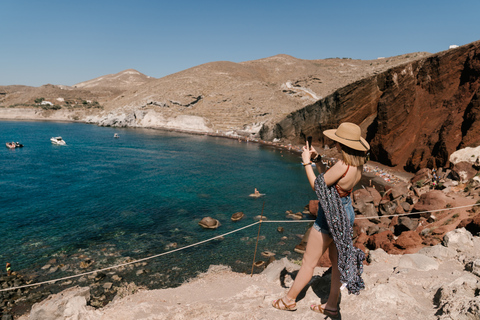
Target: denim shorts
(321, 224)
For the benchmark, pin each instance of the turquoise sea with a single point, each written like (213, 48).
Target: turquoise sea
(113, 200)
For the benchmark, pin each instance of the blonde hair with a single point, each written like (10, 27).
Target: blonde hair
(353, 157)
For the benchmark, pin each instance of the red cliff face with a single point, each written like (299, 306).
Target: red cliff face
(414, 115)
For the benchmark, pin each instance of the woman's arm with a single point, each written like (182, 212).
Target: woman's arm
(335, 173)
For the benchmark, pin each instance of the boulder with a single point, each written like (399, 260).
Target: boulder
(237, 216)
(432, 200)
(368, 210)
(361, 197)
(68, 304)
(399, 209)
(387, 208)
(421, 191)
(377, 255)
(408, 240)
(209, 223)
(438, 252)
(399, 190)
(381, 240)
(458, 239)
(405, 224)
(405, 206)
(418, 262)
(467, 154)
(375, 195)
(464, 170)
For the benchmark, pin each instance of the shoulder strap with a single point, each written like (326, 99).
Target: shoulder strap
(345, 172)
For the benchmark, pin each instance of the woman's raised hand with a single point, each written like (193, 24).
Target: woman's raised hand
(306, 155)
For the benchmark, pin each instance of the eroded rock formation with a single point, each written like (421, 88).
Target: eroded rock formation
(414, 115)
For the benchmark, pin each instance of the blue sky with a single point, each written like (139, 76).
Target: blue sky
(67, 42)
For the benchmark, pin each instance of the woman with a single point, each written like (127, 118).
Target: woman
(338, 211)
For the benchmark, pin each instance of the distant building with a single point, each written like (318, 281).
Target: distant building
(453, 46)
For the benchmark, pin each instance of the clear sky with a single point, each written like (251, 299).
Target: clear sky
(67, 41)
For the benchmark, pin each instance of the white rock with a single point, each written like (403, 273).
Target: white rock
(378, 255)
(458, 239)
(68, 304)
(418, 262)
(467, 154)
(438, 252)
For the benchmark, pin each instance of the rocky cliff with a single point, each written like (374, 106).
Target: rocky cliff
(414, 115)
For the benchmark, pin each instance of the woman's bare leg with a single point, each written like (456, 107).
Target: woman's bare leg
(332, 301)
(316, 246)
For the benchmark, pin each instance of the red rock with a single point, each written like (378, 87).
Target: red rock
(382, 240)
(393, 222)
(361, 240)
(432, 200)
(408, 239)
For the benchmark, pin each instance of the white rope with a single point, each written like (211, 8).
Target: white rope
(204, 241)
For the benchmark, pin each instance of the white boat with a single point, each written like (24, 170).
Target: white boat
(58, 141)
(116, 135)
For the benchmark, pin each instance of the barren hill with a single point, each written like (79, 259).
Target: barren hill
(238, 96)
(123, 80)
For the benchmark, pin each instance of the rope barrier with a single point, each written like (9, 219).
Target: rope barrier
(207, 240)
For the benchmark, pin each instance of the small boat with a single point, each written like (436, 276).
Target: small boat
(18, 145)
(58, 141)
(116, 135)
(256, 195)
(10, 145)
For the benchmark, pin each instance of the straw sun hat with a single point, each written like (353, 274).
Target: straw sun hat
(348, 134)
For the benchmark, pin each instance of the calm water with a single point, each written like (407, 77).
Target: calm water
(139, 195)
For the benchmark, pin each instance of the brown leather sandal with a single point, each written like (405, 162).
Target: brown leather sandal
(281, 305)
(318, 308)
